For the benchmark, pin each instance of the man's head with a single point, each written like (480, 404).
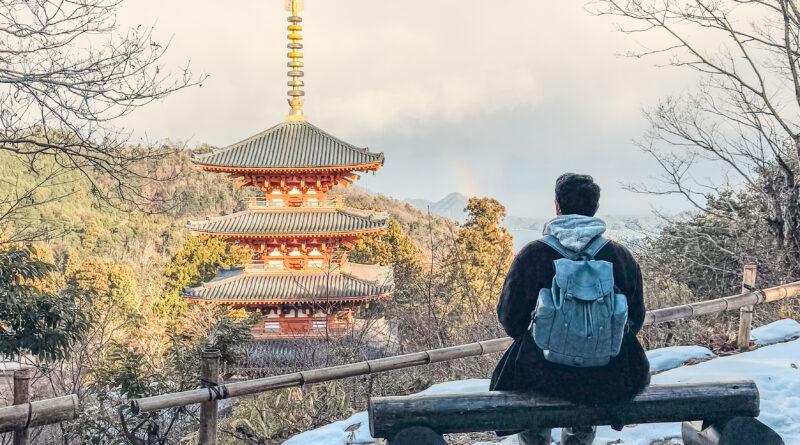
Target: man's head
(576, 194)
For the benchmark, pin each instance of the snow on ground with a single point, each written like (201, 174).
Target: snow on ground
(775, 369)
(674, 356)
(776, 332)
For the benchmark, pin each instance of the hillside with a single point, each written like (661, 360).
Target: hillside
(413, 221)
(144, 239)
(625, 228)
(451, 206)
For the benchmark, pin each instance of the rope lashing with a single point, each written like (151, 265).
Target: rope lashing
(216, 391)
(30, 414)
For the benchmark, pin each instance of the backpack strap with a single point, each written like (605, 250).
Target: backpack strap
(591, 249)
(553, 242)
(595, 245)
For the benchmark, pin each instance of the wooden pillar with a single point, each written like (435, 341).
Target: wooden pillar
(746, 312)
(22, 396)
(209, 376)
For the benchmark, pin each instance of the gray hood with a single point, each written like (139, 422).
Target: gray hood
(574, 231)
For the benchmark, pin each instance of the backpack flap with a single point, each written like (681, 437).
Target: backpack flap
(584, 280)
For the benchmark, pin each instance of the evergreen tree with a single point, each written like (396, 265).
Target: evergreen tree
(480, 258)
(32, 317)
(393, 248)
(198, 261)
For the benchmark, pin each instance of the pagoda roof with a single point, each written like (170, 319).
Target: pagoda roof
(302, 222)
(235, 286)
(291, 145)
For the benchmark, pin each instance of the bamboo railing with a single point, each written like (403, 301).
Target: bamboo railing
(41, 412)
(254, 386)
(23, 416)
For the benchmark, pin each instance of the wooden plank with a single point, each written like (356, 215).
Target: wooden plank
(497, 410)
(746, 312)
(42, 412)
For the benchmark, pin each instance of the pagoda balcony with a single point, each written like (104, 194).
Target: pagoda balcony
(303, 323)
(288, 263)
(300, 330)
(291, 201)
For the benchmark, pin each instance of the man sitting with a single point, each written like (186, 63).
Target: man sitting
(567, 368)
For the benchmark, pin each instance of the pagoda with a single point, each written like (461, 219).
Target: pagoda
(300, 278)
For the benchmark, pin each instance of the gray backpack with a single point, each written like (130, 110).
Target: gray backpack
(580, 320)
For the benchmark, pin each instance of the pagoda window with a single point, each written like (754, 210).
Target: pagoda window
(275, 264)
(276, 202)
(296, 252)
(311, 192)
(320, 313)
(315, 252)
(273, 313)
(275, 252)
(319, 325)
(315, 264)
(292, 313)
(295, 191)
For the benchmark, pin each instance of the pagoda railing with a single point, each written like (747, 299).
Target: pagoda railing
(295, 263)
(286, 201)
(261, 333)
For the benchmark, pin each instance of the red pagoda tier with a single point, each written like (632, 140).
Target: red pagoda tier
(300, 278)
(298, 303)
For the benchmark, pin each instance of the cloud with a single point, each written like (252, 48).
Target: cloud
(530, 84)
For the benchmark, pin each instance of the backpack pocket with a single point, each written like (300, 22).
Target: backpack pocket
(618, 320)
(543, 319)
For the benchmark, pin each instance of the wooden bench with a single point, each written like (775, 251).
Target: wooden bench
(726, 413)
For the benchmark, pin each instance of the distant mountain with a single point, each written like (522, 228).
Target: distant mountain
(625, 228)
(451, 206)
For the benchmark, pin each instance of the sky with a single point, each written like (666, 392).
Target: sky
(485, 98)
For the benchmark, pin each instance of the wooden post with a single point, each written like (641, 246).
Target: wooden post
(746, 312)
(22, 396)
(209, 375)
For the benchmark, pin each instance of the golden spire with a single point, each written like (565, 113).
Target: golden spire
(295, 61)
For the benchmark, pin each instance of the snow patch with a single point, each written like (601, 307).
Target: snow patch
(457, 387)
(776, 332)
(674, 356)
(335, 434)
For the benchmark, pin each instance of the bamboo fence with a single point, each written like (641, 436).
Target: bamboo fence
(31, 414)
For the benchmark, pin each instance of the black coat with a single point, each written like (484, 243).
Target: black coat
(523, 366)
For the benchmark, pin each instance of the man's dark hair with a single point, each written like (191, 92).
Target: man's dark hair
(577, 194)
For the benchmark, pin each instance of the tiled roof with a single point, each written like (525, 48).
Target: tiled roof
(292, 222)
(289, 145)
(234, 285)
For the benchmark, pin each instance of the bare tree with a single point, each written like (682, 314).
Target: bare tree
(742, 124)
(68, 73)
